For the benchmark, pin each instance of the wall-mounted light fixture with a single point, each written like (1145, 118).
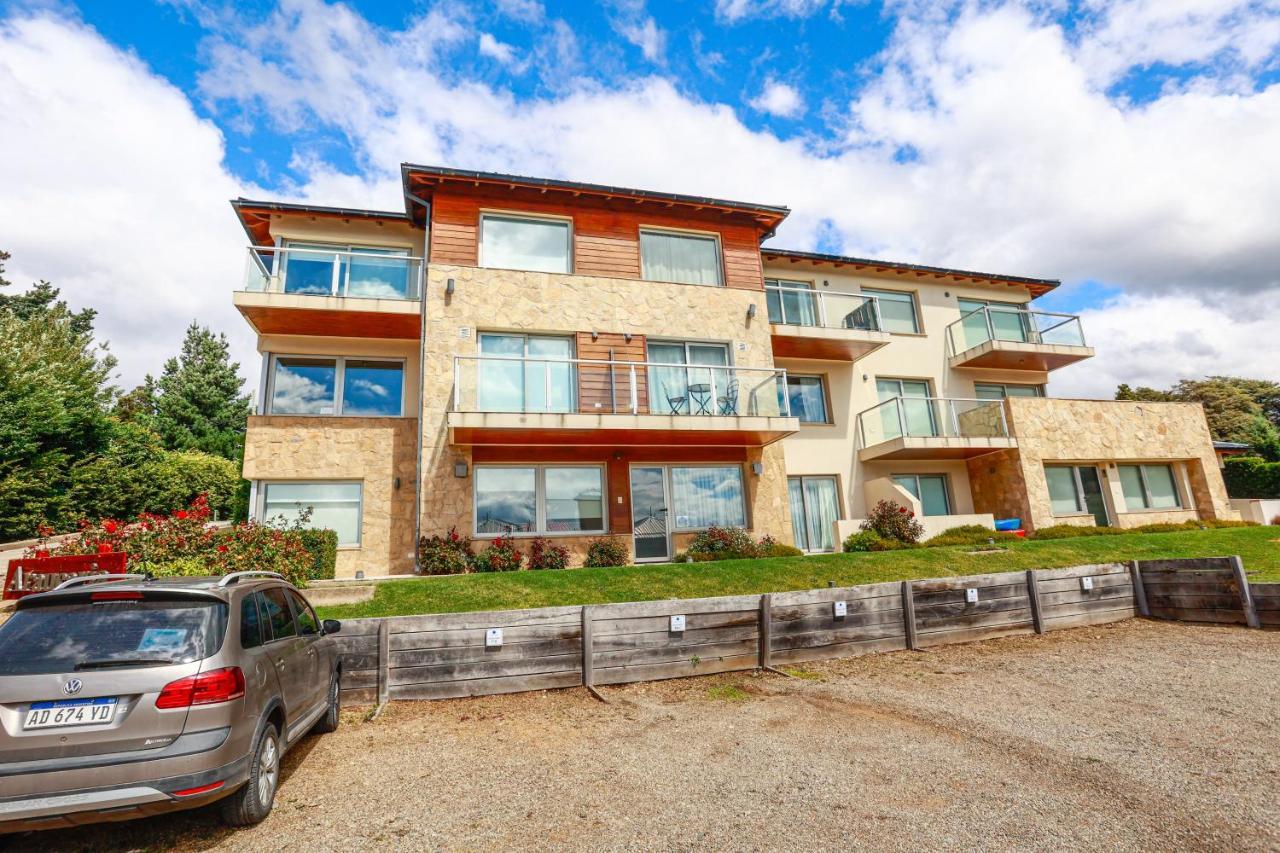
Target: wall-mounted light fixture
(397, 483)
(627, 337)
(751, 311)
(595, 336)
(449, 287)
(460, 469)
(865, 377)
(757, 468)
(826, 283)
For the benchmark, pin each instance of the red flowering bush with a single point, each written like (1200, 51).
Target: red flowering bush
(892, 521)
(545, 554)
(500, 556)
(445, 555)
(606, 551)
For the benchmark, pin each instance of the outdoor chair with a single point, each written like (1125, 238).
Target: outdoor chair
(676, 401)
(727, 403)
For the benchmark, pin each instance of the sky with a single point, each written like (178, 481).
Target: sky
(1130, 148)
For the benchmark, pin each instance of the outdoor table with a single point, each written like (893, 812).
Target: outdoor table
(700, 393)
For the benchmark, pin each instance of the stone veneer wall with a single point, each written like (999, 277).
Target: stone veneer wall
(372, 450)
(1011, 483)
(547, 303)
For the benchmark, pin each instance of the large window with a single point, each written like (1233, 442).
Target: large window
(1149, 487)
(930, 489)
(815, 506)
(539, 377)
(1002, 321)
(332, 506)
(792, 302)
(897, 310)
(683, 258)
(520, 243)
(708, 495)
(539, 499)
(319, 385)
(808, 398)
(993, 391)
(330, 269)
(693, 390)
(1076, 490)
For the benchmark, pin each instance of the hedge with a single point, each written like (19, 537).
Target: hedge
(323, 547)
(1252, 477)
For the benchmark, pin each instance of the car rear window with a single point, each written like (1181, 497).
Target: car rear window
(110, 634)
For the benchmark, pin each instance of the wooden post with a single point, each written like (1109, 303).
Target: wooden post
(1139, 590)
(1033, 592)
(1246, 595)
(909, 614)
(766, 629)
(384, 661)
(589, 655)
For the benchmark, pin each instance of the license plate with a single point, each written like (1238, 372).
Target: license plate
(70, 712)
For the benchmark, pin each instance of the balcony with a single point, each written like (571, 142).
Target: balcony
(542, 401)
(1012, 339)
(933, 428)
(822, 325)
(314, 291)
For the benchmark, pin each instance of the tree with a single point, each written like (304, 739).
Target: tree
(42, 299)
(198, 404)
(1233, 406)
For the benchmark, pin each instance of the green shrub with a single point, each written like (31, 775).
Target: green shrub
(861, 542)
(445, 555)
(181, 567)
(1072, 531)
(1252, 477)
(545, 554)
(892, 521)
(501, 556)
(607, 551)
(892, 545)
(969, 534)
(778, 549)
(723, 543)
(322, 545)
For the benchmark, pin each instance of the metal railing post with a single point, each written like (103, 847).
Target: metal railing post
(457, 383)
(635, 392)
(333, 286)
(902, 420)
(822, 308)
(1004, 420)
(991, 329)
(546, 385)
(711, 401)
(955, 418)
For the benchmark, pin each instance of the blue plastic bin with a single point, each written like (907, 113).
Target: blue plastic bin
(1008, 523)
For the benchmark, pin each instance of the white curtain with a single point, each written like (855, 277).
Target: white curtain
(823, 510)
(679, 257)
(708, 496)
(799, 523)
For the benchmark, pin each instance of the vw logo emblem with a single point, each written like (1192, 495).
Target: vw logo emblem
(72, 687)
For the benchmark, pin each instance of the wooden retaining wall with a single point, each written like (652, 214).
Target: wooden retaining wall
(1209, 589)
(446, 655)
(1266, 600)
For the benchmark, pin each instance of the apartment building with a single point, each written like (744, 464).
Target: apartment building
(539, 357)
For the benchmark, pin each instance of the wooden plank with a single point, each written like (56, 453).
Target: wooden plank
(353, 662)
(1246, 600)
(1222, 586)
(838, 636)
(969, 635)
(1139, 590)
(766, 632)
(662, 624)
(909, 615)
(485, 619)
(1186, 564)
(826, 595)
(853, 606)
(361, 696)
(352, 628)
(951, 584)
(1095, 570)
(1080, 620)
(1015, 591)
(1120, 593)
(935, 612)
(1197, 601)
(677, 669)
(838, 650)
(1184, 614)
(1048, 585)
(487, 669)
(823, 621)
(356, 645)
(479, 652)
(655, 639)
(669, 607)
(1033, 593)
(486, 686)
(675, 653)
(588, 651)
(384, 657)
(1089, 606)
(473, 636)
(942, 624)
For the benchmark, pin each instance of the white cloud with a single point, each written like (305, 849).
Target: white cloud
(645, 34)
(114, 190)
(496, 50)
(529, 11)
(779, 99)
(733, 11)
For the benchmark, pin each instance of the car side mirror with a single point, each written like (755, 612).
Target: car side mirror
(332, 626)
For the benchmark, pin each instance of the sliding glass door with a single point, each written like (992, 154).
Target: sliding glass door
(681, 387)
(914, 416)
(538, 378)
(815, 507)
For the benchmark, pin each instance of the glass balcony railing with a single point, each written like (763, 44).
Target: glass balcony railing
(793, 306)
(543, 385)
(991, 323)
(366, 273)
(932, 417)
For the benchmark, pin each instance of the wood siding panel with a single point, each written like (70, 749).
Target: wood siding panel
(598, 392)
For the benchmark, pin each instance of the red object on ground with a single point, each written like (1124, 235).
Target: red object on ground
(1020, 532)
(39, 574)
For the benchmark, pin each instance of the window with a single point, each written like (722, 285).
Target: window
(991, 391)
(897, 310)
(815, 507)
(539, 377)
(1076, 490)
(307, 623)
(517, 243)
(697, 389)
(277, 613)
(1002, 321)
(791, 302)
(250, 626)
(1064, 498)
(1149, 487)
(808, 398)
(320, 385)
(913, 416)
(334, 506)
(539, 499)
(708, 495)
(930, 489)
(330, 269)
(682, 258)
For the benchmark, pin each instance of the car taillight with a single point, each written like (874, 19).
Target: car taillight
(116, 596)
(207, 688)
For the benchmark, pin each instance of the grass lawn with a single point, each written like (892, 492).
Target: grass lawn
(1258, 546)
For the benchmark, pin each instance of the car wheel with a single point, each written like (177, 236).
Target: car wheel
(252, 803)
(329, 722)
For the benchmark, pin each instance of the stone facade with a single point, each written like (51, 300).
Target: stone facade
(546, 303)
(1012, 483)
(374, 451)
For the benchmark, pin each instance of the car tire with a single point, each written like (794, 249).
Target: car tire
(252, 803)
(332, 714)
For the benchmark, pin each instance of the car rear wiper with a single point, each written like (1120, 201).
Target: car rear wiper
(114, 662)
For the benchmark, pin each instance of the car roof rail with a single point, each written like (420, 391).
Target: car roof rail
(235, 577)
(83, 579)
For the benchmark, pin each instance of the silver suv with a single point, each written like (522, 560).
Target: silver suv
(122, 696)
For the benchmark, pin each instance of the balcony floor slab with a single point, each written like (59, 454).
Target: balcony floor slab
(819, 342)
(1020, 355)
(931, 447)
(552, 429)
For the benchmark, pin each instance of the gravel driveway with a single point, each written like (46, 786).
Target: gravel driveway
(1133, 736)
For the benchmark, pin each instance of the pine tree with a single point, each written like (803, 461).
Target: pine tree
(198, 404)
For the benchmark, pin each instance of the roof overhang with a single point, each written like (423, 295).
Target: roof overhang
(1037, 286)
(255, 216)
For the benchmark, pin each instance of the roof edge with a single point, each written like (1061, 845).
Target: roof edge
(822, 257)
